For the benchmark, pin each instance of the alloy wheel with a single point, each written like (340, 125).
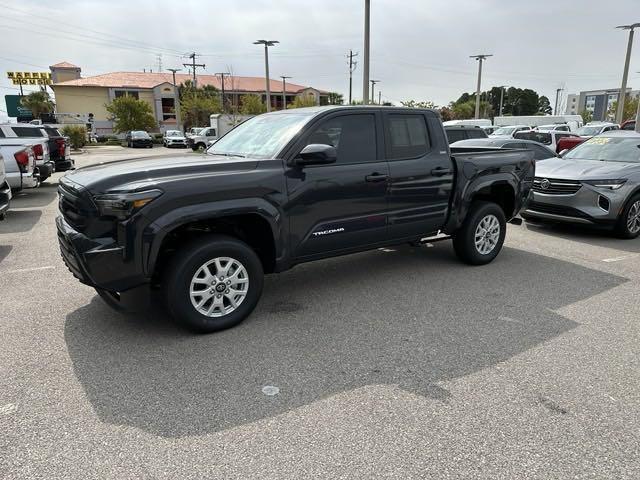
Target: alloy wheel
(219, 287)
(633, 218)
(487, 234)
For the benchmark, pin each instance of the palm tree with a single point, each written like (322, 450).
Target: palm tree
(38, 102)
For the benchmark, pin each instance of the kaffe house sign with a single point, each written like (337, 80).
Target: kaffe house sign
(30, 78)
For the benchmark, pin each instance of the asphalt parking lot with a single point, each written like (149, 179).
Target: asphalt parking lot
(395, 363)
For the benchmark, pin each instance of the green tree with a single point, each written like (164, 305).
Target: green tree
(420, 104)
(301, 102)
(446, 114)
(544, 106)
(630, 108)
(336, 98)
(77, 135)
(38, 102)
(252, 105)
(463, 110)
(196, 109)
(129, 113)
(586, 115)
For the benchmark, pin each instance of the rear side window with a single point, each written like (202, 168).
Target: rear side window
(408, 137)
(353, 136)
(629, 126)
(476, 133)
(455, 135)
(52, 132)
(27, 132)
(541, 137)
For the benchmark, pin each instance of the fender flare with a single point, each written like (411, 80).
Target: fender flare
(155, 233)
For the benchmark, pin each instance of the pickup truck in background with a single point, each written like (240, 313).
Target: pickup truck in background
(19, 164)
(59, 148)
(33, 136)
(281, 189)
(221, 123)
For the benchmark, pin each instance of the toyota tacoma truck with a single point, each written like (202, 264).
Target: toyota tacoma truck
(281, 189)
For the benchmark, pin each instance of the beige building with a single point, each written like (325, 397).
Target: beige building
(83, 99)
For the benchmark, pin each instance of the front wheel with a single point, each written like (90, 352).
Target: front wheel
(213, 283)
(628, 225)
(480, 238)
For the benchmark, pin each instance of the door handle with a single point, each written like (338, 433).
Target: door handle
(438, 172)
(376, 177)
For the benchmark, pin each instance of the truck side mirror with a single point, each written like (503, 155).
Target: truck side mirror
(562, 153)
(316, 154)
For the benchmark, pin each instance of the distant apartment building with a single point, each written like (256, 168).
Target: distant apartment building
(598, 102)
(83, 99)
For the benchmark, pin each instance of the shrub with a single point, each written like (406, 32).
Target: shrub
(77, 135)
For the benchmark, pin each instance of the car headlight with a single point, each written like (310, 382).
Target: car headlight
(609, 184)
(123, 205)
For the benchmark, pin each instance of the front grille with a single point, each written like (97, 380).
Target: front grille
(557, 210)
(555, 186)
(75, 209)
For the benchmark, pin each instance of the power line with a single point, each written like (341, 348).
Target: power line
(193, 66)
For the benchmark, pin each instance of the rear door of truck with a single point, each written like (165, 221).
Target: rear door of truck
(421, 173)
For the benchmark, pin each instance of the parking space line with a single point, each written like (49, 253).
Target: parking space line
(618, 259)
(33, 269)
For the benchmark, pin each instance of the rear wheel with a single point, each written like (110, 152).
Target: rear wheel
(480, 238)
(213, 283)
(628, 225)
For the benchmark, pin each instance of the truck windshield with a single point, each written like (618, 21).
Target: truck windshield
(262, 136)
(504, 131)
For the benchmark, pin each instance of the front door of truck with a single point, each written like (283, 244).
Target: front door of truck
(339, 206)
(420, 174)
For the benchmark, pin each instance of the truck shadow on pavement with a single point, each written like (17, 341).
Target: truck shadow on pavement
(36, 197)
(412, 317)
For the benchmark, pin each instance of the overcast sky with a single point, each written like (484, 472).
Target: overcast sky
(419, 48)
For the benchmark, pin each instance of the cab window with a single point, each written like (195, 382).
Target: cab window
(353, 136)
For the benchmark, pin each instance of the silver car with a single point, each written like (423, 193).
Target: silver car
(596, 183)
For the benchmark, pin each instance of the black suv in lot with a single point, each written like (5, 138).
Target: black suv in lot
(281, 189)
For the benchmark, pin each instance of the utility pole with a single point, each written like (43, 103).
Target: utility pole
(352, 67)
(365, 73)
(222, 74)
(625, 74)
(176, 97)
(555, 110)
(267, 44)
(379, 97)
(159, 58)
(193, 66)
(638, 113)
(373, 85)
(480, 59)
(501, 99)
(284, 91)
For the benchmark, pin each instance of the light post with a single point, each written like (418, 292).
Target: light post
(480, 59)
(625, 73)
(267, 44)
(373, 86)
(365, 72)
(176, 97)
(501, 99)
(284, 91)
(555, 110)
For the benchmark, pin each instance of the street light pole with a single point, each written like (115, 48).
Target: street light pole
(480, 59)
(284, 91)
(373, 85)
(501, 98)
(625, 74)
(267, 44)
(176, 97)
(555, 109)
(365, 67)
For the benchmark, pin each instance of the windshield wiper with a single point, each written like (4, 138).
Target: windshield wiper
(229, 155)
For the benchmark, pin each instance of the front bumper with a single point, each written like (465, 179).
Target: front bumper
(97, 262)
(142, 143)
(588, 206)
(176, 143)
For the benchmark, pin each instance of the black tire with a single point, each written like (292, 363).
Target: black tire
(201, 146)
(464, 242)
(622, 229)
(184, 265)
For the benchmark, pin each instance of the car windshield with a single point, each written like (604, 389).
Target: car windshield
(584, 131)
(174, 133)
(504, 131)
(139, 134)
(546, 128)
(196, 131)
(262, 136)
(607, 149)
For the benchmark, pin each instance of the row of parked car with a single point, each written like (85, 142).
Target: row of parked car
(588, 177)
(29, 154)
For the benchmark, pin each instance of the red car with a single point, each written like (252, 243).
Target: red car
(628, 125)
(585, 133)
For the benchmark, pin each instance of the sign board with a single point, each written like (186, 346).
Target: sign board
(30, 78)
(15, 109)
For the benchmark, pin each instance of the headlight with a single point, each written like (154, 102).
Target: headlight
(609, 184)
(123, 205)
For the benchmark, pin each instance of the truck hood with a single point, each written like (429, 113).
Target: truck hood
(143, 173)
(561, 168)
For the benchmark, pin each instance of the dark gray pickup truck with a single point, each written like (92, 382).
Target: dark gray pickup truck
(281, 189)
